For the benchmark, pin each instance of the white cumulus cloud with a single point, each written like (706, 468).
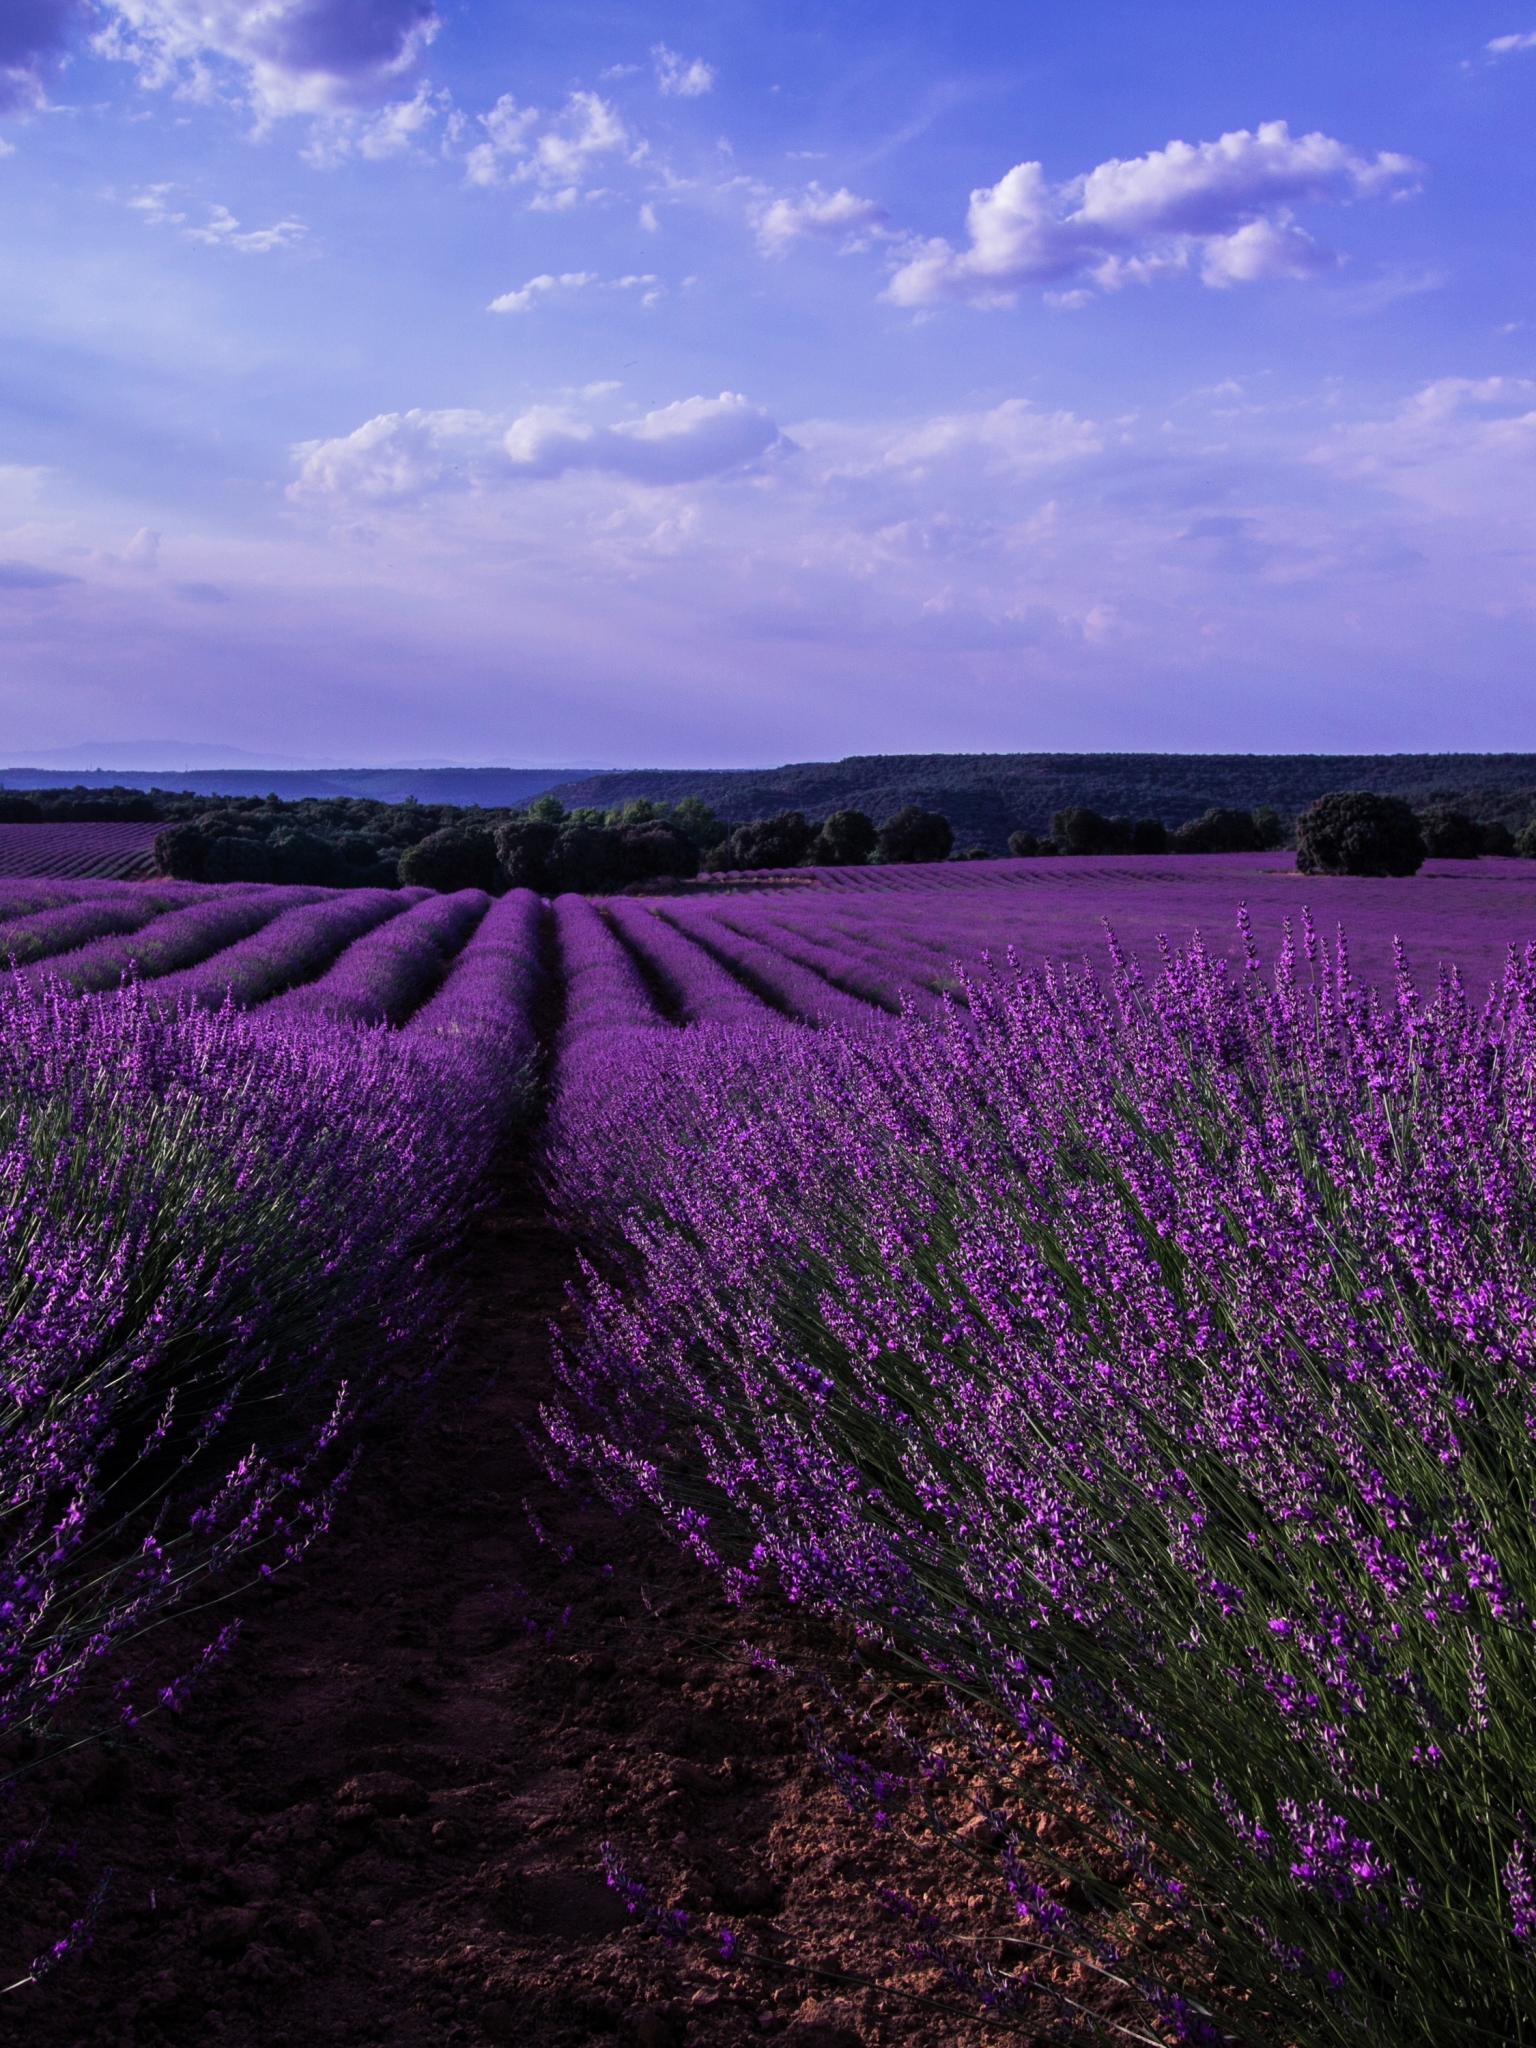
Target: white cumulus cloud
(556, 156)
(1506, 46)
(839, 216)
(396, 458)
(284, 56)
(1225, 204)
(682, 77)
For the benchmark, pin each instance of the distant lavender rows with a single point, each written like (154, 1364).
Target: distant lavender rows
(850, 948)
(108, 849)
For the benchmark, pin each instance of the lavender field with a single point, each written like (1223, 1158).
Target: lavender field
(110, 850)
(1136, 1335)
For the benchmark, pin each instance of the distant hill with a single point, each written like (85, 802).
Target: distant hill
(987, 796)
(492, 787)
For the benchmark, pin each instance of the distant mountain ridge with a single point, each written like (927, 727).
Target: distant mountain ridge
(987, 796)
(494, 788)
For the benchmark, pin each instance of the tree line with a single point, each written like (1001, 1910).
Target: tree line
(342, 842)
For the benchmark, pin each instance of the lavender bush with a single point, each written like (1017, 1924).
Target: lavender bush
(178, 940)
(41, 933)
(294, 946)
(782, 983)
(383, 976)
(207, 1236)
(698, 987)
(1158, 1367)
(483, 1013)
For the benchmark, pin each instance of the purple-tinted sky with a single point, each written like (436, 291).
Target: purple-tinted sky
(597, 384)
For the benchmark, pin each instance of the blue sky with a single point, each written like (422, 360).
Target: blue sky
(690, 385)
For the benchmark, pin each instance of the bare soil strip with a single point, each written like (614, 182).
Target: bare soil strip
(382, 1818)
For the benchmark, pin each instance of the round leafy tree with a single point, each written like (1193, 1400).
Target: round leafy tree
(781, 841)
(1149, 835)
(1525, 841)
(913, 834)
(1023, 845)
(1356, 832)
(523, 846)
(1219, 830)
(181, 851)
(455, 858)
(1450, 835)
(846, 840)
(647, 852)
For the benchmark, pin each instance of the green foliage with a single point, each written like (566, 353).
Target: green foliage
(913, 834)
(782, 841)
(1450, 835)
(846, 840)
(1525, 841)
(1270, 827)
(592, 859)
(1496, 837)
(1078, 829)
(1220, 831)
(455, 858)
(1355, 832)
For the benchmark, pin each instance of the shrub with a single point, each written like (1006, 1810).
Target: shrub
(181, 851)
(1270, 827)
(846, 840)
(18, 810)
(1219, 831)
(913, 834)
(458, 857)
(1450, 835)
(973, 853)
(1023, 845)
(1525, 841)
(1497, 838)
(646, 852)
(1149, 835)
(782, 841)
(1356, 832)
(523, 847)
(1081, 830)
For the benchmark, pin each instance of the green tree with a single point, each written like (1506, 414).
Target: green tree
(913, 834)
(1356, 832)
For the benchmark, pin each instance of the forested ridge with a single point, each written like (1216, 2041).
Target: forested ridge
(987, 796)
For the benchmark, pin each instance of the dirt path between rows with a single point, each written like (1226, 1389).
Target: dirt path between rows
(382, 1818)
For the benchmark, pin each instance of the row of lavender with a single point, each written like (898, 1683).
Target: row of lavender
(223, 1187)
(1153, 1362)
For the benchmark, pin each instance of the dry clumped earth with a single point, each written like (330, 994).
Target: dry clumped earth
(382, 1817)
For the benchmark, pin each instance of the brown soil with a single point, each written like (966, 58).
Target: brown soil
(382, 1818)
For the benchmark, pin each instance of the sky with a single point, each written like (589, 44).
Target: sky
(605, 385)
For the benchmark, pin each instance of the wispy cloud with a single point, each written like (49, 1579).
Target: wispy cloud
(681, 77)
(221, 229)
